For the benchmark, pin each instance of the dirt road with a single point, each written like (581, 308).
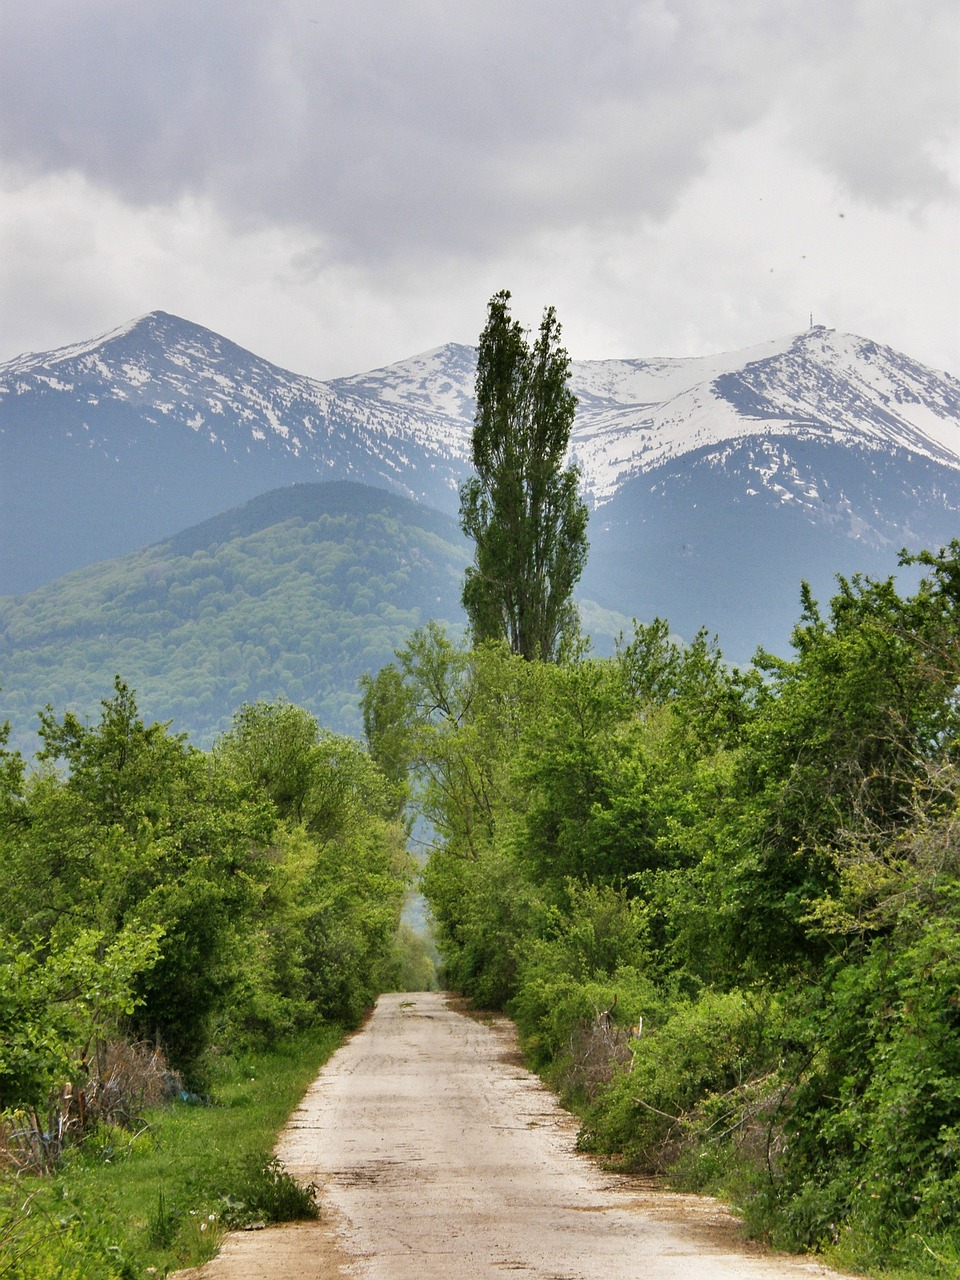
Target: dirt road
(440, 1158)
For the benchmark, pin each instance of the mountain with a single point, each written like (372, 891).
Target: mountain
(718, 483)
(108, 445)
(703, 542)
(715, 483)
(294, 594)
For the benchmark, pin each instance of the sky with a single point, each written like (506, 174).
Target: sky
(337, 186)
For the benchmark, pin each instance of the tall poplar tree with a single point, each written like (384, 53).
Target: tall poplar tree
(522, 507)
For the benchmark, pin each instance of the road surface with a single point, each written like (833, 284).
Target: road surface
(439, 1157)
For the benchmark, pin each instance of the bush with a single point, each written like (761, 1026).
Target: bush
(260, 1190)
(581, 991)
(875, 1126)
(703, 1076)
(101, 1109)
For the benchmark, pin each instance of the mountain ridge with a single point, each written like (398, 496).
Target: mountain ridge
(716, 483)
(633, 413)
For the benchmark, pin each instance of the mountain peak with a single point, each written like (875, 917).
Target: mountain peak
(161, 334)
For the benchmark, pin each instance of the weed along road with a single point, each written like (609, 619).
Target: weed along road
(438, 1157)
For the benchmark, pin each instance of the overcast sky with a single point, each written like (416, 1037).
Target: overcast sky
(339, 185)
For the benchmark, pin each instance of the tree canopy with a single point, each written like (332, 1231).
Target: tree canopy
(234, 896)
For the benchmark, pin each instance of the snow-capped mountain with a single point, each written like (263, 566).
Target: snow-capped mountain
(113, 443)
(819, 385)
(634, 415)
(165, 374)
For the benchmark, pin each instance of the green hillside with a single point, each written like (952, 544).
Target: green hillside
(292, 595)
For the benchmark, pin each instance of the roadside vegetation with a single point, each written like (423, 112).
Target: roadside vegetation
(723, 906)
(183, 937)
(156, 1196)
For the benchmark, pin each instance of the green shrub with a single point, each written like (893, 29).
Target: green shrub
(259, 1190)
(699, 1076)
(581, 990)
(874, 1139)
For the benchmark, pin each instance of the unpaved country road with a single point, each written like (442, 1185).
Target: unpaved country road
(439, 1157)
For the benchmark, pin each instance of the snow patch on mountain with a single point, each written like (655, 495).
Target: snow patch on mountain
(638, 382)
(411, 422)
(818, 384)
(634, 415)
(31, 360)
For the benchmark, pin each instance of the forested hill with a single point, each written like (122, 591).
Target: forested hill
(292, 595)
(311, 502)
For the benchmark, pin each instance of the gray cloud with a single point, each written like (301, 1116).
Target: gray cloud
(881, 103)
(336, 186)
(414, 129)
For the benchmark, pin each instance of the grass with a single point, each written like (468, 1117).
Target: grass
(128, 1206)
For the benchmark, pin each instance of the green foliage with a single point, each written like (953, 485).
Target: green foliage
(315, 778)
(412, 962)
(522, 508)
(706, 1050)
(11, 777)
(329, 914)
(300, 603)
(166, 1203)
(40, 1242)
(875, 1120)
(582, 991)
(462, 713)
(388, 714)
(150, 890)
(136, 831)
(841, 740)
(205, 902)
(273, 747)
(721, 905)
(484, 910)
(258, 1190)
(54, 1006)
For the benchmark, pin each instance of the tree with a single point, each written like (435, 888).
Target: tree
(273, 746)
(323, 929)
(132, 829)
(522, 507)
